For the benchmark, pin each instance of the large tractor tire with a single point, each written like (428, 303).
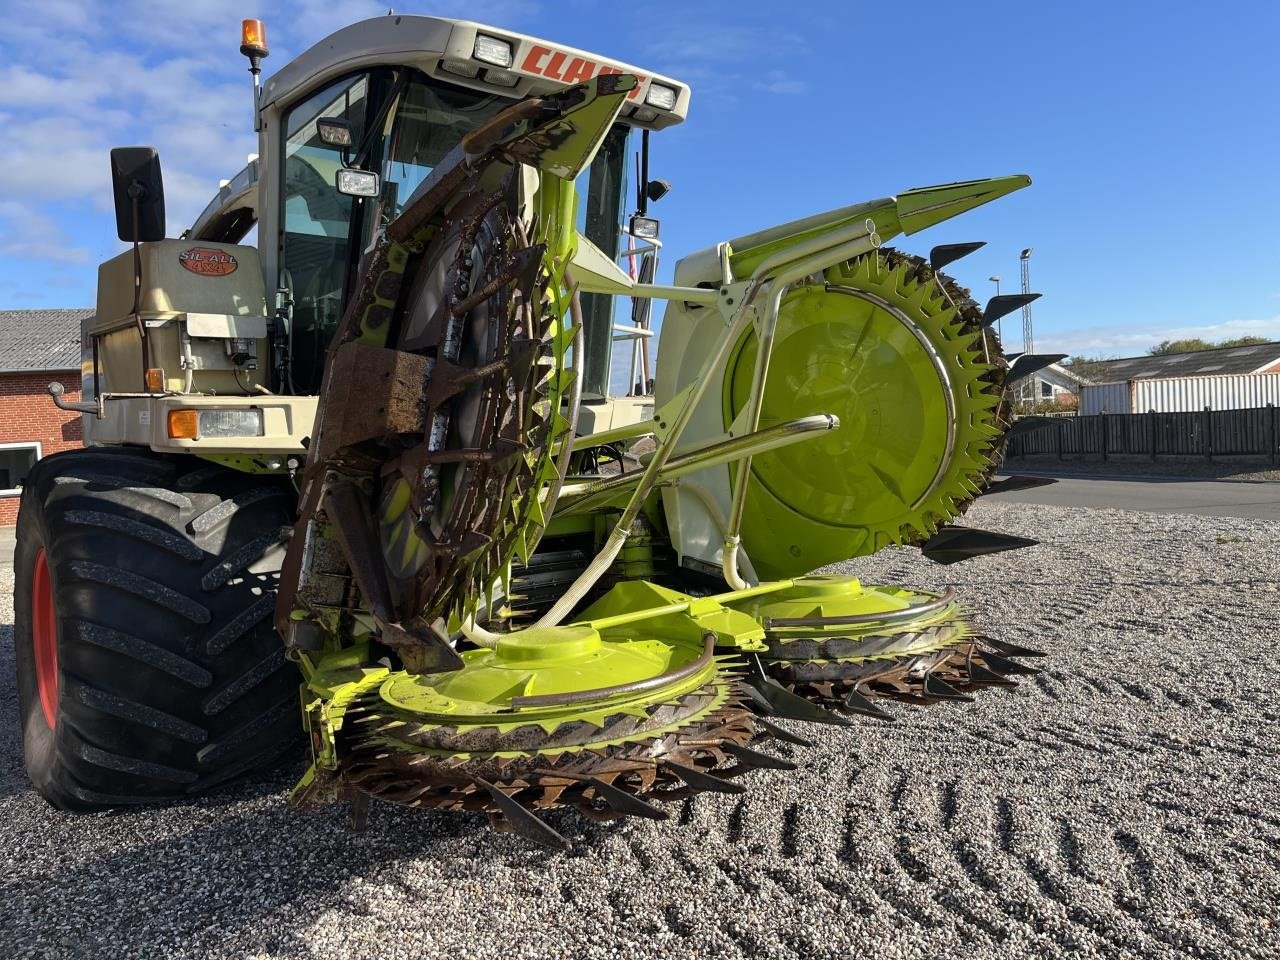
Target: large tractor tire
(148, 669)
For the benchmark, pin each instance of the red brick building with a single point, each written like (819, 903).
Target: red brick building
(36, 347)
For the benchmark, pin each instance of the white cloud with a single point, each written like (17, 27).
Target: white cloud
(1111, 342)
(723, 61)
(777, 81)
(78, 77)
(166, 85)
(28, 234)
(323, 17)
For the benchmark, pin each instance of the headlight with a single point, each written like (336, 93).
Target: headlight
(645, 228)
(201, 424)
(503, 78)
(492, 50)
(463, 68)
(662, 97)
(357, 183)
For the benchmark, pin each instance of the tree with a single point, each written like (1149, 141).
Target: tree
(1089, 368)
(1166, 347)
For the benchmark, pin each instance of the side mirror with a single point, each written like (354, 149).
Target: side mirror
(139, 194)
(655, 190)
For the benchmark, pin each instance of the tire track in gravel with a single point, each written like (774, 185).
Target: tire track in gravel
(1092, 739)
(1071, 882)
(1070, 850)
(1115, 883)
(983, 850)
(1119, 688)
(754, 827)
(1118, 814)
(922, 815)
(1138, 866)
(1142, 907)
(789, 840)
(695, 868)
(868, 864)
(1123, 922)
(1051, 685)
(1079, 600)
(1079, 885)
(1104, 900)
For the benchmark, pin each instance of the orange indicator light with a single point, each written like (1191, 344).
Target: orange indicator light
(184, 424)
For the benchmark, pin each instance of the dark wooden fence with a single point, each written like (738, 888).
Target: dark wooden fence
(1203, 433)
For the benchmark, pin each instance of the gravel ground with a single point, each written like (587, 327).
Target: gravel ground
(1124, 802)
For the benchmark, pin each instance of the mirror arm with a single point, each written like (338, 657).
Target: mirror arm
(137, 193)
(56, 390)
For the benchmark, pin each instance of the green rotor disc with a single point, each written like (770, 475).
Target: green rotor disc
(917, 398)
(563, 662)
(851, 606)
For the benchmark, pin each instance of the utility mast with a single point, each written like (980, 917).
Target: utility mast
(1028, 341)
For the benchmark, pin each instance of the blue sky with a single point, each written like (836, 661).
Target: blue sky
(1150, 130)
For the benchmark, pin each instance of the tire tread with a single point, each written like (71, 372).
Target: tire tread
(172, 679)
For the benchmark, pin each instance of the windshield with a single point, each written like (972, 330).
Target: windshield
(425, 122)
(403, 124)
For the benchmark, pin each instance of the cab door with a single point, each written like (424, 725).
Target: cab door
(318, 225)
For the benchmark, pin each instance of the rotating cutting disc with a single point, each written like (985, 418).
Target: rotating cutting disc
(900, 357)
(527, 720)
(455, 507)
(843, 645)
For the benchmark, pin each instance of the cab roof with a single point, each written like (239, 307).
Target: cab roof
(445, 49)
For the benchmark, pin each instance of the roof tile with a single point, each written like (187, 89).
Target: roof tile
(40, 339)
(1197, 363)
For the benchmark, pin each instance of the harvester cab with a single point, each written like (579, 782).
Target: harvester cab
(379, 452)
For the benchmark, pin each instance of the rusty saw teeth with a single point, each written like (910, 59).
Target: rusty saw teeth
(694, 743)
(754, 758)
(781, 702)
(522, 820)
(699, 780)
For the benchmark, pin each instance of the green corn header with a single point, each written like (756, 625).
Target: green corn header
(377, 457)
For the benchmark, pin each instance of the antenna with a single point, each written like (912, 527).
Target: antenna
(1028, 341)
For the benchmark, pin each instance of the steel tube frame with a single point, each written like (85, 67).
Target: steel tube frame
(586, 495)
(776, 273)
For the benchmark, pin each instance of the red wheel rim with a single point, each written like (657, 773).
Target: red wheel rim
(44, 638)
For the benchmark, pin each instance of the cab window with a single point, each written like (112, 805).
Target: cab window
(602, 198)
(428, 119)
(403, 123)
(317, 223)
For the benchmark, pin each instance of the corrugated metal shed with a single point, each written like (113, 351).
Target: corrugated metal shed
(1104, 397)
(1182, 394)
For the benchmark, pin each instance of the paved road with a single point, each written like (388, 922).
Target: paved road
(1206, 498)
